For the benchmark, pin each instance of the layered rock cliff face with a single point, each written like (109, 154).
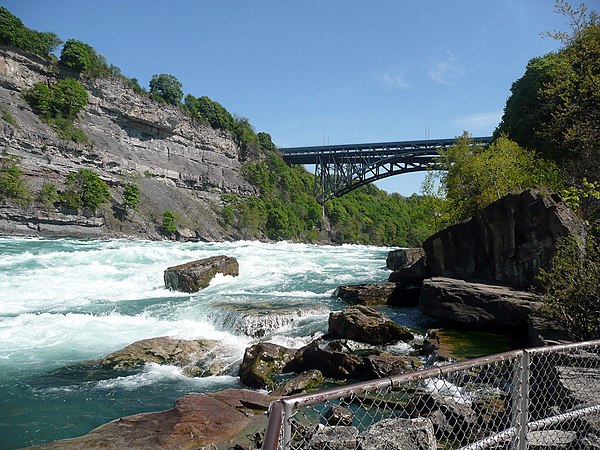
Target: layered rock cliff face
(179, 165)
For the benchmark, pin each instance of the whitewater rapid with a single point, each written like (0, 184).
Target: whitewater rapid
(65, 302)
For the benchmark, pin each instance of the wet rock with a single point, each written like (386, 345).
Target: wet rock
(397, 294)
(451, 420)
(364, 324)
(399, 434)
(506, 242)
(195, 357)
(335, 359)
(261, 361)
(398, 259)
(197, 421)
(412, 274)
(337, 415)
(306, 380)
(196, 275)
(333, 438)
(386, 364)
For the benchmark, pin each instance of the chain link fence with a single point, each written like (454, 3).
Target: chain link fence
(542, 398)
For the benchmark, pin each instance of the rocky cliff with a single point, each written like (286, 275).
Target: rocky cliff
(179, 165)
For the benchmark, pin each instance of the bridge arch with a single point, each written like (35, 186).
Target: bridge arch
(340, 169)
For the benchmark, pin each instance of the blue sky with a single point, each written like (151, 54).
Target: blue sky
(327, 71)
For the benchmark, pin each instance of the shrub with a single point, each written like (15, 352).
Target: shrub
(84, 188)
(8, 117)
(12, 185)
(59, 105)
(168, 223)
(131, 196)
(47, 194)
(13, 32)
(82, 58)
(571, 287)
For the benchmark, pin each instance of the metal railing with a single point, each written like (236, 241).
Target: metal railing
(547, 397)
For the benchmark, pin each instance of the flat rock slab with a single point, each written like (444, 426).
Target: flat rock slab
(196, 420)
(397, 294)
(195, 275)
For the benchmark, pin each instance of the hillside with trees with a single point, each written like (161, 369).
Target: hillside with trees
(59, 160)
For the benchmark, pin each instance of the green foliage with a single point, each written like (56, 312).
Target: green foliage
(83, 59)
(131, 196)
(12, 184)
(571, 287)
(134, 84)
(476, 176)
(13, 32)
(169, 222)
(204, 109)
(7, 116)
(585, 201)
(59, 105)
(47, 195)
(555, 107)
(166, 87)
(84, 188)
(286, 209)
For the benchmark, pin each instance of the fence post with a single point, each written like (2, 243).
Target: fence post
(524, 406)
(287, 424)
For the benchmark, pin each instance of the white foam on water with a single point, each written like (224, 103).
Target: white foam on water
(153, 373)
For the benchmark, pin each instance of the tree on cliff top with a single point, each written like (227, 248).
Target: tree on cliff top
(554, 107)
(166, 87)
(13, 32)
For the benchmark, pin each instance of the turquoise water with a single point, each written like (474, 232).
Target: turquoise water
(65, 302)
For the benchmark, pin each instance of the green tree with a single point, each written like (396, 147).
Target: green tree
(131, 196)
(571, 287)
(12, 184)
(13, 32)
(76, 55)
(555, 107)
(166, 87)
(476, 176)
(169, 222)
(84, 188)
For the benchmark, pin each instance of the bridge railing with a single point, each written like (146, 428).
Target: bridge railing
(546, 397)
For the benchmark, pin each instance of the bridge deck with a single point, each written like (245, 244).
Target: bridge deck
(311, 155)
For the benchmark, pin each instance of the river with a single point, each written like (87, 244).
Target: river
(64, 302)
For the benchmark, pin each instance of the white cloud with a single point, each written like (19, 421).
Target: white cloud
(480, 122)
(447, 71)
(395, 79)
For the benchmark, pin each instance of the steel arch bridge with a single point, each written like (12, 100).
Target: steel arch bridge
(340, 169)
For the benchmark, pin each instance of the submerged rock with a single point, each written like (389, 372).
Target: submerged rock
(364, 324)
(196, 275)
(261, 361)
(197, 421)
(306, 380)
(196, 357)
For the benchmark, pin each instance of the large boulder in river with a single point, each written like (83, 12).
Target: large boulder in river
(196, 275)
(261, 361)
(198, 421)
(195, 357)
(364, 324)
(506, 242)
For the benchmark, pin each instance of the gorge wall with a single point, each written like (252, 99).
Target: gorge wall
(179, 165)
